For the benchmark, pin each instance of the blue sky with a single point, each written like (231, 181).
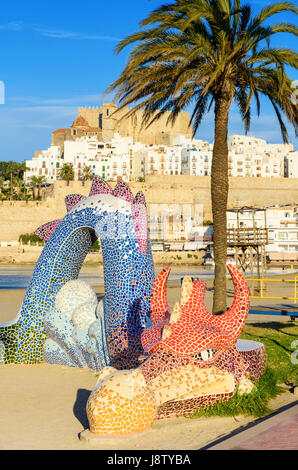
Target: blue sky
(56, 56)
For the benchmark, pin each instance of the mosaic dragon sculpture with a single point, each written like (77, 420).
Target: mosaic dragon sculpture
(193, 359)
(152, 364)
(60, 320)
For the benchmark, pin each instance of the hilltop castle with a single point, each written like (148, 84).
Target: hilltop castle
(108, 120)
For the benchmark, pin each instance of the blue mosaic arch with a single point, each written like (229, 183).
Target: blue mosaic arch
(44, 328)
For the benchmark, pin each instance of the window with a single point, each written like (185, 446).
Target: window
(282, 236)
(293, 247)
(293, 236)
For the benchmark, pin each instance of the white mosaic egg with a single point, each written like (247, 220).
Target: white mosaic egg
(72, 294)
(84, 315)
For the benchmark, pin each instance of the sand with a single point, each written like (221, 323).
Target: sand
(42, 407)
(10, 303)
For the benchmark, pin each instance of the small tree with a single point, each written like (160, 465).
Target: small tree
(37, 181)
(86, 174)
(17, 186)
(66, 173)
(1, 184)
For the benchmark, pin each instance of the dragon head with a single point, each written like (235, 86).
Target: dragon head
(192, 358)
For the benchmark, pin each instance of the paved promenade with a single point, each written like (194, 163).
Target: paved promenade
(278, 431)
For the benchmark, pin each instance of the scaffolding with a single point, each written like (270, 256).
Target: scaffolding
(249, 242)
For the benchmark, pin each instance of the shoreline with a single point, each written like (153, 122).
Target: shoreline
(28, 255)
(11, 299)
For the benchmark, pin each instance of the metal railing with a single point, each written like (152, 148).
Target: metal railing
(262, 289)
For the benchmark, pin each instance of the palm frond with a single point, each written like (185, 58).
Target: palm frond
(191, 51)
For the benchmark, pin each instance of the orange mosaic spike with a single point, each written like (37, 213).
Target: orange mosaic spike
(196, 329)
(159, 304)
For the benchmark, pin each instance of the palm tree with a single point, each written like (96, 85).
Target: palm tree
(37, 181)
(66, 173)
(208, 54)
(1, 186)
(86, 174)
(17, 186)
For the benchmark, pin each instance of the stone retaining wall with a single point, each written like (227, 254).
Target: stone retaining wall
(19, 217)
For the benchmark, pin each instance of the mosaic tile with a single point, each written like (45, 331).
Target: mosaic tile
(191, 359)
(114, 218)
(153, 363)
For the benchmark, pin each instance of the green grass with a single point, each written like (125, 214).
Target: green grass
(254, 403)
(277, 338)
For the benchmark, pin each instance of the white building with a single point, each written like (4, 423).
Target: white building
(256, 166)
(283, 229)
(45, 163)
(108, 160)
(291, 164)
(196, 162)
(248, 157)
(282, 224)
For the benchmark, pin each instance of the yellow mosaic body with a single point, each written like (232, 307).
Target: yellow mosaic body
(121, 403)
(189, 382)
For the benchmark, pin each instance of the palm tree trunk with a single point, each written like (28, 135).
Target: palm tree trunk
(11, 188)
(219, 198)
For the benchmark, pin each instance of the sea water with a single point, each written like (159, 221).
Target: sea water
(19, 276)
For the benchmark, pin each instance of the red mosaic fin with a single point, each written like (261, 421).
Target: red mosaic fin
(159, 304)
(72, 200)
(99, 186)
(194, 310)
(196, 329)
(45, 231)
(234, 319)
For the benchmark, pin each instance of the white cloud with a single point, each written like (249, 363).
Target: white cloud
(12, 26)
(63, 34)
(79, 100)
(56, 33)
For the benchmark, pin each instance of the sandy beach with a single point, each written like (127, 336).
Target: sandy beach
(46, 410)
(43, 406)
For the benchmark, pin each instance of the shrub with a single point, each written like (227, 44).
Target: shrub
(95, 246)
(31, 238)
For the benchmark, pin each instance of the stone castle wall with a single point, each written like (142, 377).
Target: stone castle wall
(90, 114)
(17, 217)
(110, 121)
